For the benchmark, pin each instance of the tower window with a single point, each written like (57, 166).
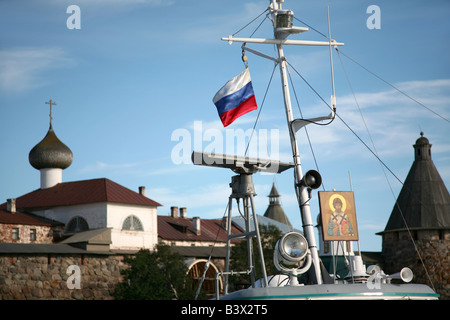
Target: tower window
(132, 223)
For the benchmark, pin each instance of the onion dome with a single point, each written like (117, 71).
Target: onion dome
(50, 153)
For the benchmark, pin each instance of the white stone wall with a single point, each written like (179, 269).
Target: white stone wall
(126, 239)
(94, 214)
(112, 215)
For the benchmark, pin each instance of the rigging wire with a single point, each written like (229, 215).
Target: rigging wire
(385, 175)
(311, 27)
(365, 144)
(345, 123)
(375, 153)
(306, 130)
(256, 121)
(259, 24)
(402, 92)
(374, 74)
(244, 59)
(315, 91)
(246, 150)
(251, 23)
(260, 108)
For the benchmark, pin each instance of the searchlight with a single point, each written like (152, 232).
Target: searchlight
(292, 256)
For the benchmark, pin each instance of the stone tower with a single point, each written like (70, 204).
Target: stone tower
(417, 234)
(274, 210)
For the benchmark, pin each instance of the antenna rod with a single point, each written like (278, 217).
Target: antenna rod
(331, 54)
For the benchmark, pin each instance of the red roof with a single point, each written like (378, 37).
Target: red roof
(7, 217)
(81, 192)
(182, 229)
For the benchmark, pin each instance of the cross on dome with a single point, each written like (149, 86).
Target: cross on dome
(51, 103)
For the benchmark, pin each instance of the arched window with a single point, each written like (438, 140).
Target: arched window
(77, 224)
(196, 271)
(132, 223)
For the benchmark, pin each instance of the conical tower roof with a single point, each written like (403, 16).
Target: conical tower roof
(424, 201)
(274, 210)
(50, 153)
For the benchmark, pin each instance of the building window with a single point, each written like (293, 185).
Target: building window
(32, 234)
(132, 223)
(196, 273)
(77, 224)
(15, 233)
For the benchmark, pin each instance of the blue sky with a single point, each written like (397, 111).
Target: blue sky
(140, 71)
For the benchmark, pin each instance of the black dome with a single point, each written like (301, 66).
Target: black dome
(50, 153)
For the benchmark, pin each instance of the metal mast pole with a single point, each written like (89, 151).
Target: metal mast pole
(305, 209)
(281, 33)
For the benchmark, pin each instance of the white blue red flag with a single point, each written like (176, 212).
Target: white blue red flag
(235, 98)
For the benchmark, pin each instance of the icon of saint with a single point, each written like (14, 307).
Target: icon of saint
(339, 224)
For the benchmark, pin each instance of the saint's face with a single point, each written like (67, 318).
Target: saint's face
(337, 206)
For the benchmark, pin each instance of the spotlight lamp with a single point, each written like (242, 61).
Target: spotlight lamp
(292, 256)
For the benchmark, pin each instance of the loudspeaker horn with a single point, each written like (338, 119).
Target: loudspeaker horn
(312, 179)
(405, 274)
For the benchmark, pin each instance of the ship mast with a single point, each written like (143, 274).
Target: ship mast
(282, 23)
(303, 198)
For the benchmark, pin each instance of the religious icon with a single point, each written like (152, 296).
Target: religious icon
(338, 215)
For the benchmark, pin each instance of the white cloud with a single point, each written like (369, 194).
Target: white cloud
(22, 69)
(393, 121)
(390, 116)
(100, 166)
(174, 169)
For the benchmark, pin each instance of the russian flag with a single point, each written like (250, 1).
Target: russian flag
(235, 98)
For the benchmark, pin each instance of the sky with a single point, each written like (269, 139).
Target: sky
(134, 87)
